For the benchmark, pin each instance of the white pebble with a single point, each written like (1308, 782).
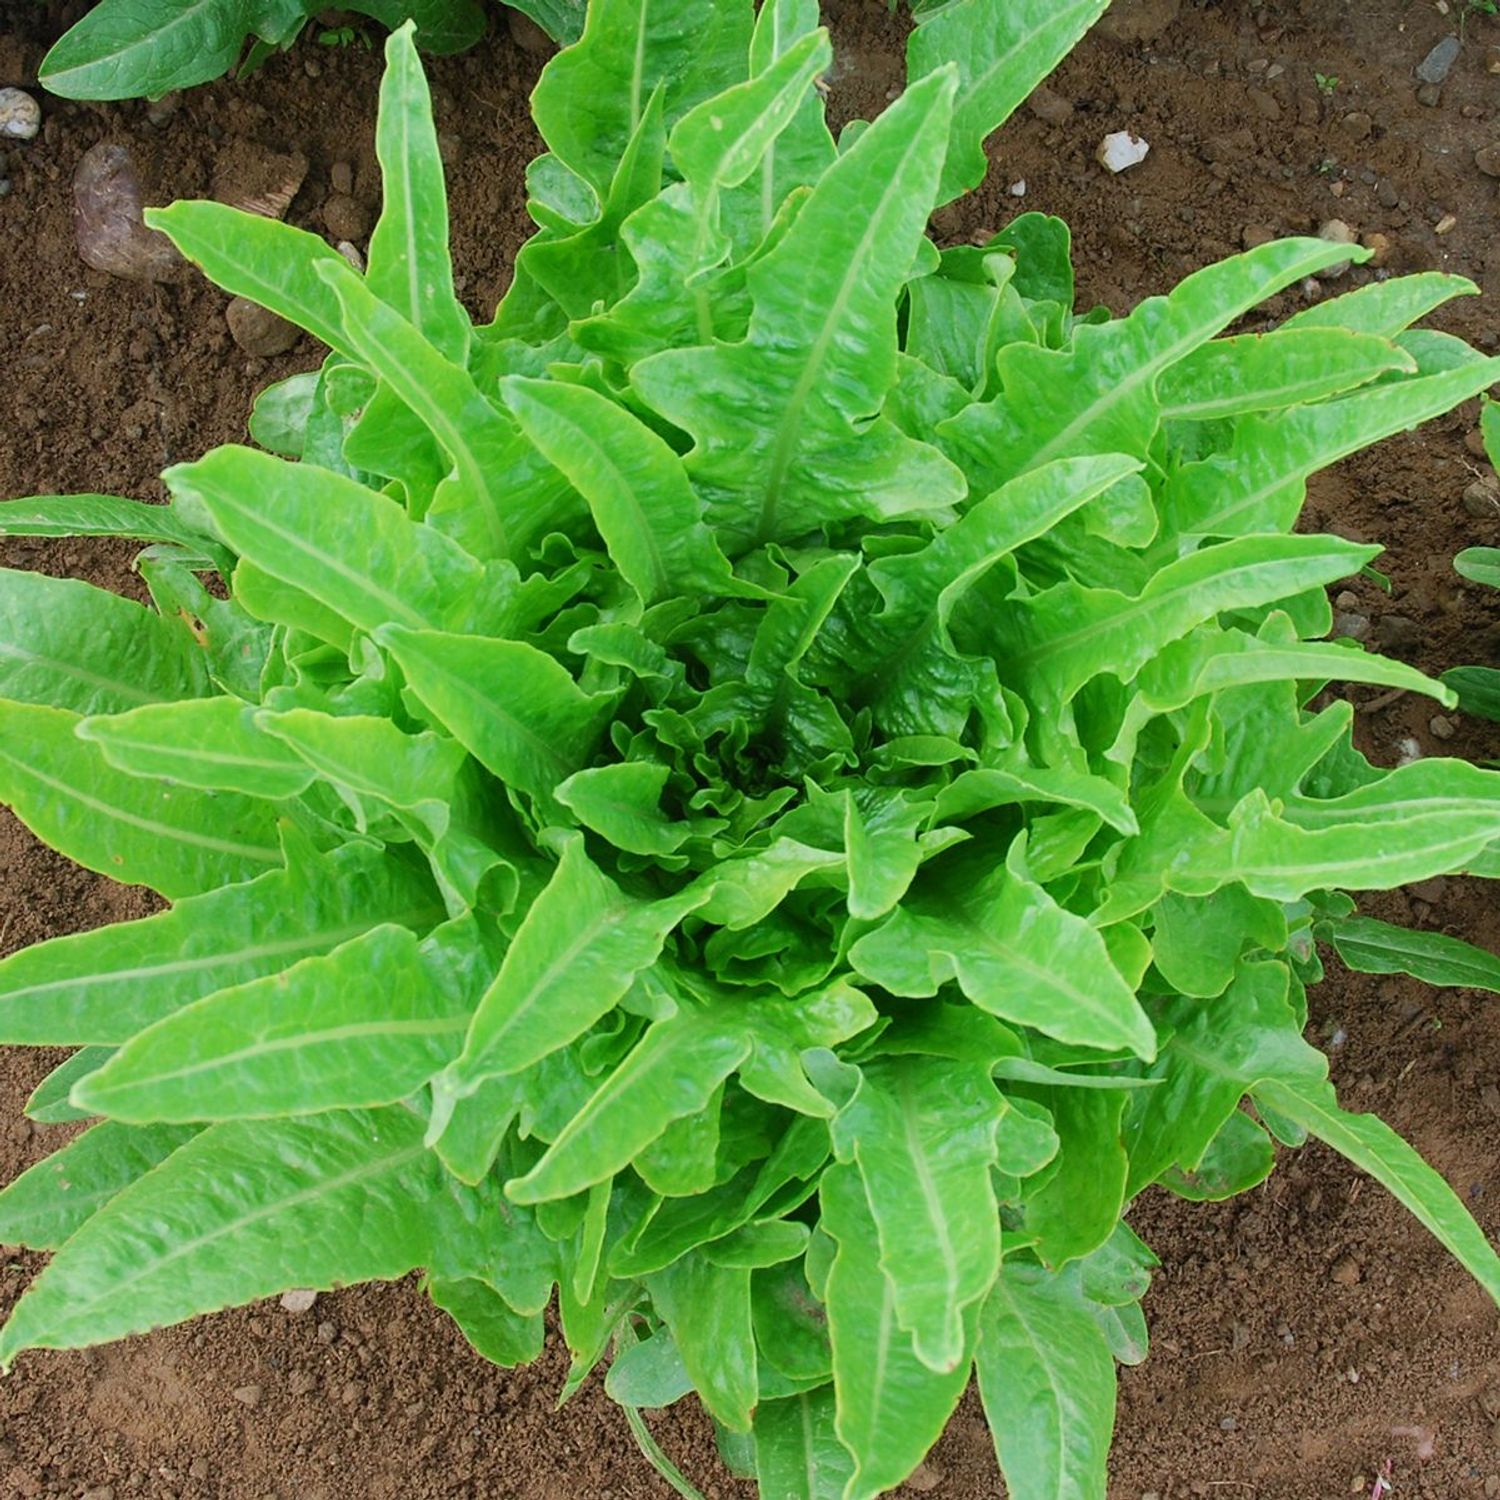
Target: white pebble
(20, 115)
(1121, 150)
(1408, 751)
(351, 252)
(1018, 189)
(299, 1301)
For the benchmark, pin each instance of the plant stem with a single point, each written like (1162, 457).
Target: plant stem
(656, 1458)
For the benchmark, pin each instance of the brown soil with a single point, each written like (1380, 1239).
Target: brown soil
(1305, 1336)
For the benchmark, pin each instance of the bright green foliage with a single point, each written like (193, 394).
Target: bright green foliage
(123, 49)
(766, 794)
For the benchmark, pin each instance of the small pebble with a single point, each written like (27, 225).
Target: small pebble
(1379, 246)
(1346, 1271)
(327, 1332)
(1487, 159)
(353, 254)
(103, 1492)
(347, 218)
(1049, 106)
(1445, 224)
(527, 35)
(261, 332)
(299, 1300)
(1442, 728)
(301, 1383)
(20, 115)
(925, 1478)
(159, 111)
(1018, 189)
(1346, 599)
(1336, 232)
(1438, 64)
(1482, 499)
(1357, 124)
(341, 175)
(247, 1395)
(1351, 626)
(1398, 633)
(1429, 96)
(1256, 234)
(198, 1469)
(1121, 150)
(1266, 104)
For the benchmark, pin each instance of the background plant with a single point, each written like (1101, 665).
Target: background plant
(126, 49)
(763, 795)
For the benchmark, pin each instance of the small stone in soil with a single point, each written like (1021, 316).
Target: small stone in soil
(1398, 633)
(20, 115)
(341, 175)
(1254, 235)
(926, 1477)
(257, 179)
(159, 111)
(1441, 728)
(1351, 625)
(352, 253)
(1049, 106)
(527, 35)
(247, 1395)
(347, 218)
(1357, 124)
(1336, 232)
(327, 1332)
(1121, 150)
(107, 209)
(1346, 1271)
(259, 331)
(1482, 499)
(1487, 159)
(1438, 64)
(300, 1300)
(1429, 96)
(1446, 224)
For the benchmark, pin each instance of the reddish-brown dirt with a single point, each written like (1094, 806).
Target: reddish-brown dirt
(1306, 1336)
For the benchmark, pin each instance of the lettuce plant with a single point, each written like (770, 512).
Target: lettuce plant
(763, 796)
(126, 49)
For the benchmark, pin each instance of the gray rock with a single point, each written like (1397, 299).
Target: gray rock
(1348, 625)
(1357, 125)
(261, 332)
(20, 115)
(112, 236)
(1430, 95)
(1397, 633)
(1487, 159)
(1482, 499)
(1337, 232)
(1138, 20)
(1438, 64)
